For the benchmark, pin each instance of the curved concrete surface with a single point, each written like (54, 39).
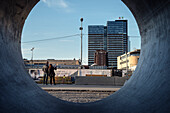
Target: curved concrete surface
(148, 91)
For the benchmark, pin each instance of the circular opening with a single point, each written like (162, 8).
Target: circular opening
(52, 32)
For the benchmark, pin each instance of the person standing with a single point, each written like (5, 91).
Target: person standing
(51, 74)
(45, 70)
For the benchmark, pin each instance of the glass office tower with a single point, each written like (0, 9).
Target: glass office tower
(95, 41)
(112, 38)
(117, 40)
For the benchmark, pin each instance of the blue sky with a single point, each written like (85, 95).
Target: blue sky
(58, 18)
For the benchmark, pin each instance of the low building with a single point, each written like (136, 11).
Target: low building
(97, 67)
(129, 60)
(35, 73)
(68, 66)
(41, 63)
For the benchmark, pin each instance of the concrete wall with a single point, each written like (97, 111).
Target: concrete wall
(88, 80)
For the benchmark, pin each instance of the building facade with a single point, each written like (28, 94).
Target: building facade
(100, 58)
(112, 38)
(41, 63)
(129, 60)
(95, 41)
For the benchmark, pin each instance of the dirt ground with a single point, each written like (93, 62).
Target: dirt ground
(81, 96)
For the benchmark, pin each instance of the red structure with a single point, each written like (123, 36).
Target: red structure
(100, 58)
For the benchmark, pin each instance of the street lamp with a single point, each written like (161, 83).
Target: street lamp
(32, 49)
(81, 28)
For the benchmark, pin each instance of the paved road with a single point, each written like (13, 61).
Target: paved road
(80, 87)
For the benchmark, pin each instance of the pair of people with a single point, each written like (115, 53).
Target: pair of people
(49, 71)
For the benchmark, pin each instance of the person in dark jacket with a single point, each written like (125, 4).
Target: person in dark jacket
(51, 73)
(45, 70)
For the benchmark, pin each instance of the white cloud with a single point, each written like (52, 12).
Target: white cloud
(59, 4)
(62, 3)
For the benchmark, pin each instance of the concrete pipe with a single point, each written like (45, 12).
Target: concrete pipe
(148, 90)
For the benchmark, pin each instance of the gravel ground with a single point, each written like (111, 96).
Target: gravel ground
(81, 96)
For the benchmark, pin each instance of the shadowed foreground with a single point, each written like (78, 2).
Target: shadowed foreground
(147, 91)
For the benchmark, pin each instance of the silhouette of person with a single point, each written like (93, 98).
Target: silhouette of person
(51, 74)
(45, 70)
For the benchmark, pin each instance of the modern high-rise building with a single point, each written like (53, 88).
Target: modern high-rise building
(112, 38)
(95, 41)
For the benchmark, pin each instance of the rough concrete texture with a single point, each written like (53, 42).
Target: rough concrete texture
(148, 90)
(92, 80)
